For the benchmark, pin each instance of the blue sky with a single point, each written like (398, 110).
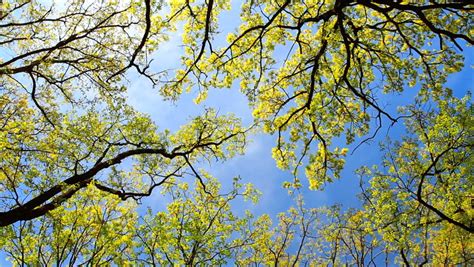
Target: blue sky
(257, 165)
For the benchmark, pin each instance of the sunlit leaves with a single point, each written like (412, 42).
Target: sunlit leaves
(74, 154)
(91, 228)
(314, 71)
(423, 192)
(197, 228)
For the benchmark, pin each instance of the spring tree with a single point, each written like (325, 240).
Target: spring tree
(313, 71)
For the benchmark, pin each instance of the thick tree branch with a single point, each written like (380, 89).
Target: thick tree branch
(53, 197)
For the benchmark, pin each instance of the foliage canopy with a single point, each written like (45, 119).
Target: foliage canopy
(76, 158)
